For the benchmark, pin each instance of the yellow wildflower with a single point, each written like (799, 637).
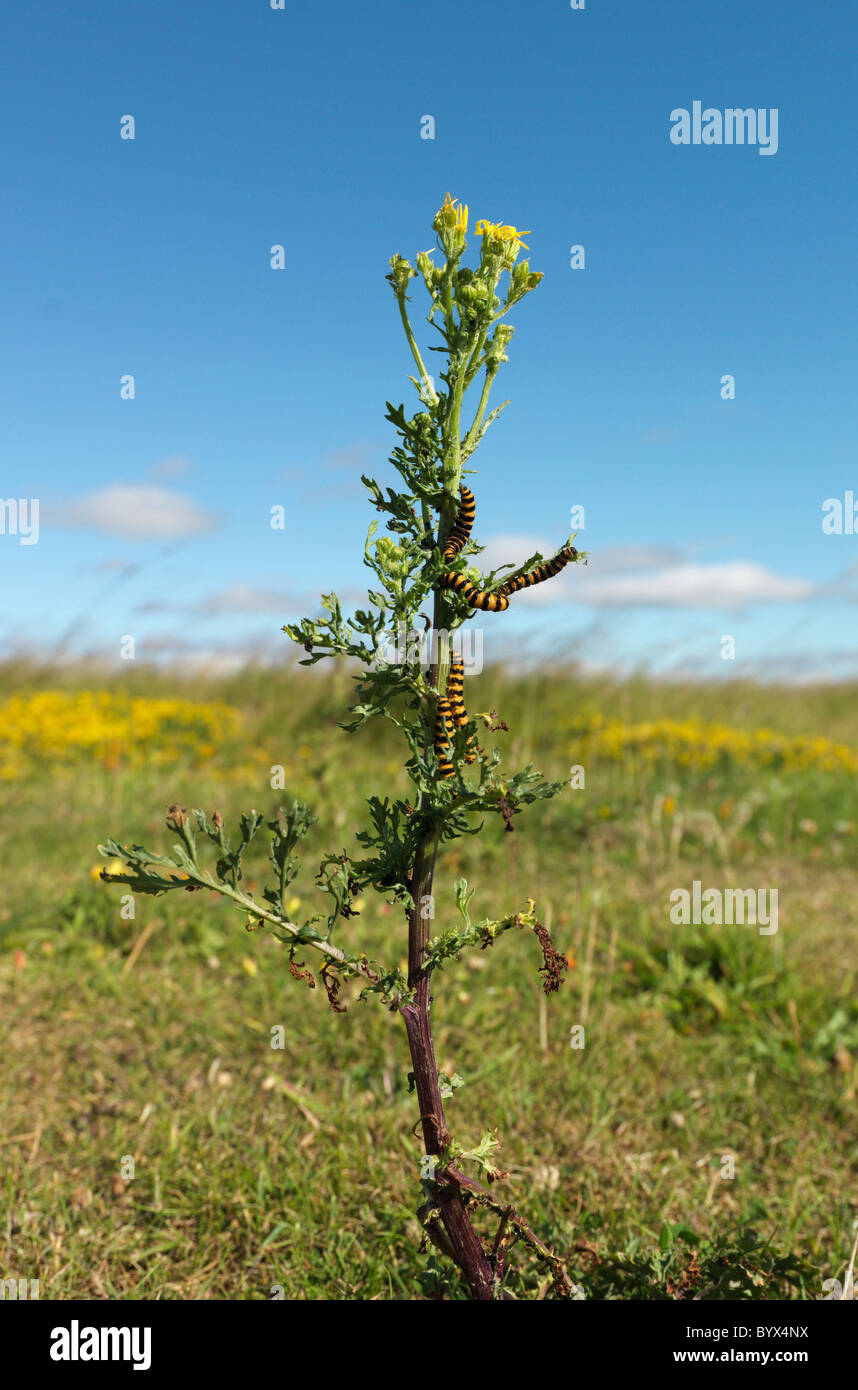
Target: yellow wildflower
(112, 728)
(461, 212)
(115, 866)
(699, 746)
(499, 232)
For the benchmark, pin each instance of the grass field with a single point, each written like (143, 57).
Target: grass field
(257, 1168)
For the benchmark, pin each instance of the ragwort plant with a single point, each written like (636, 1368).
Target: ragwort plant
(413, 676)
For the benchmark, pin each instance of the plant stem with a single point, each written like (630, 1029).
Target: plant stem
(465, 1244)
(276, 919)
(415, 351)
(471, 369)
(481, 409)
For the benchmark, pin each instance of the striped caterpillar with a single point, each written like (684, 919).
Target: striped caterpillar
(474, 597)
(541, 572)
(456, 698)
(498, 600)
(458, 537)
(443, 721)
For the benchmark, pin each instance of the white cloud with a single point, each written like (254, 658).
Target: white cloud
(620, 559)
(244, 598)
(238, 598)
(136, 511)
(175, 651)
(732, 584)
(173, 467)
(510, 550)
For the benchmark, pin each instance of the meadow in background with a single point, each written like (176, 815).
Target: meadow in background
(258, 1168)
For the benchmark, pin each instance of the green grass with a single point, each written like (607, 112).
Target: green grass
(257, 1168)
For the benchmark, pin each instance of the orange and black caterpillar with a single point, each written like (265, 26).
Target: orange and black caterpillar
(456, 697)
(474, 597)
(443, 720)
(458, 537)
(541, 572)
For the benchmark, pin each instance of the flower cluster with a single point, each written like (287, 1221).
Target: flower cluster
(110, 728)
(697, 745)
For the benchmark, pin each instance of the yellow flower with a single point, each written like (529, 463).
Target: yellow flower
(108, 727)
(694, 744)
(249, 964)
(460, 212)
(669, 805)
(114, 867)
(499, 232)
(292, 905)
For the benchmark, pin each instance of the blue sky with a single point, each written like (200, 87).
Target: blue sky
(257, 387)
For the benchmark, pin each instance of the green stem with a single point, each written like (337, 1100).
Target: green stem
(481, 409)
(471, 369)
(415, 352)
(454, 456)
(254, 910)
